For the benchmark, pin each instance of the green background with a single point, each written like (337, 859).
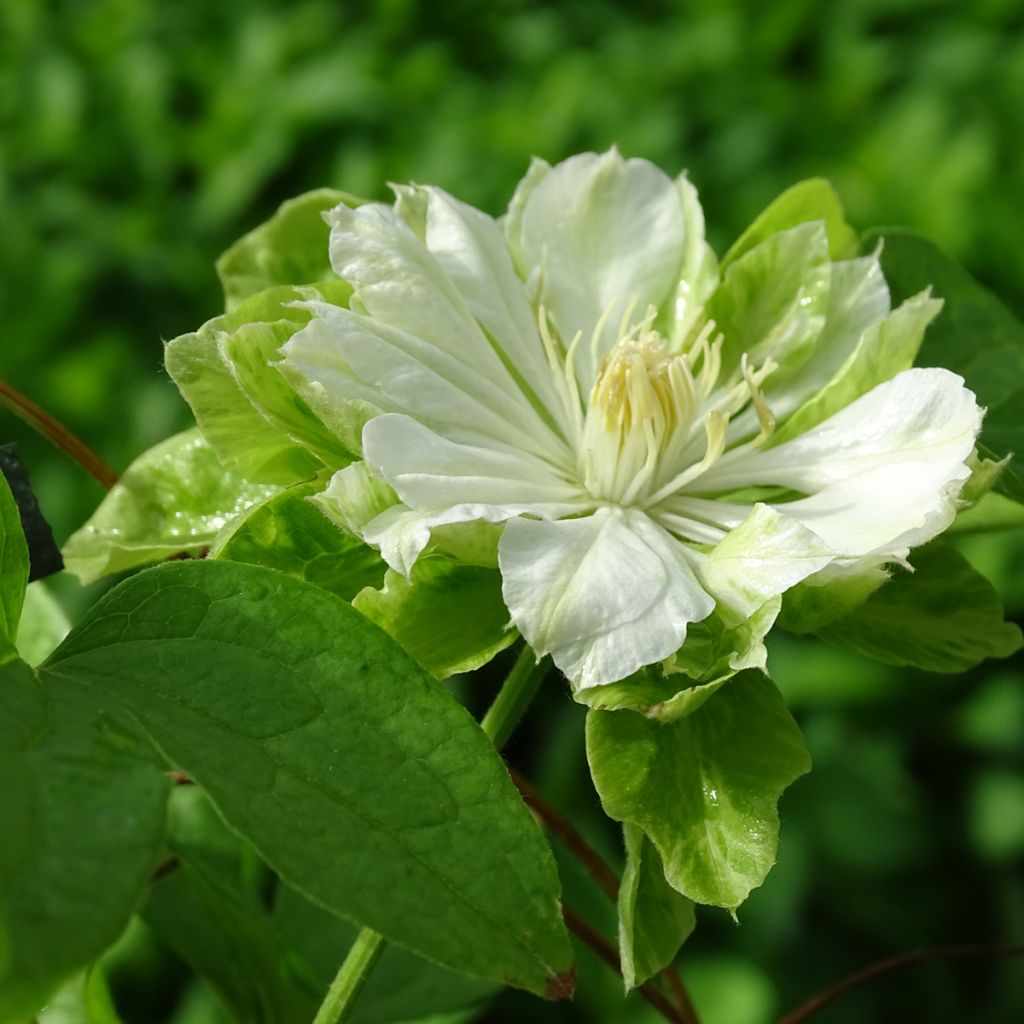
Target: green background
(138, 139)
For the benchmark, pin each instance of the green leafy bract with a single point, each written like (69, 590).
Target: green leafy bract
(704, 788)
(654, 919)
(290, 248)
(289, 533)
(943, 617)
(450, 617)
(248, 412)
(173, 499)
(811, 200)
(356, 776)
(976, 336)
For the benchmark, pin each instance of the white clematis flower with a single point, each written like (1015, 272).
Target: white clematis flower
(658, 445)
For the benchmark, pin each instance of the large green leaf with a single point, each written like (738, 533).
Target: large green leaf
(355, 775)
(82, 807)
(975, 335)
(704, 788)
(291, 534)
(290, 248)
(450, 617)
(654, 919)
(173, 499)
(943, 617)
(13, 569)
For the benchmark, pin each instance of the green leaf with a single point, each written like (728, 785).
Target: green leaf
(289, 533)
(704, 788)
(402, 987)
(251, 416)
(84, 1000)
(83, 812)
(358, 778)
(173, 499)
(290, 248)
(975, 336)
(943, 617)
(654, 919)
(43, 624)
(811, 200)
(450, 617)
(13, 569)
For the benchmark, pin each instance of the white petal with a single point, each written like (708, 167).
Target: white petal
(347, 352)
(429, 471)
(601, 230)
(921, 416)
(761, 558)
(604, 595)
(398, 281)
(699, 269)
(471, 249)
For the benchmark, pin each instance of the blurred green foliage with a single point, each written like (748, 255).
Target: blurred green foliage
(138, 139)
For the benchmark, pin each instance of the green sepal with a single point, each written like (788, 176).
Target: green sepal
(943, 617)
(654, 919)
(288, 249)
(705, 787)
(172, 500)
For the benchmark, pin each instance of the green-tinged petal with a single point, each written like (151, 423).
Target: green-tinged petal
(251, 416)
(173, 499)
(354, 497)
(450, 617)
(44, 623)
(943, 617)
(698, 275)
(705, 787)
(811, 200)
(654, 919)
(289, 533)
(288, 249)
(885, 349)
(605, 594)
(772, 301)
(598, 234)
(761, 558)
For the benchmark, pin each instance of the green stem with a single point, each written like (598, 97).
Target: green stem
(351, 977)
(514, 697)
(502, 717)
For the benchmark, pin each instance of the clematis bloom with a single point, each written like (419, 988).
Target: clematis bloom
(658, 440)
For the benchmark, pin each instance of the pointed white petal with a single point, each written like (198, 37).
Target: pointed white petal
(604, 595)
(429, 471)
(471, 249)
(698, 275)
(602, 230)
(347, 353)
(920, 416)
